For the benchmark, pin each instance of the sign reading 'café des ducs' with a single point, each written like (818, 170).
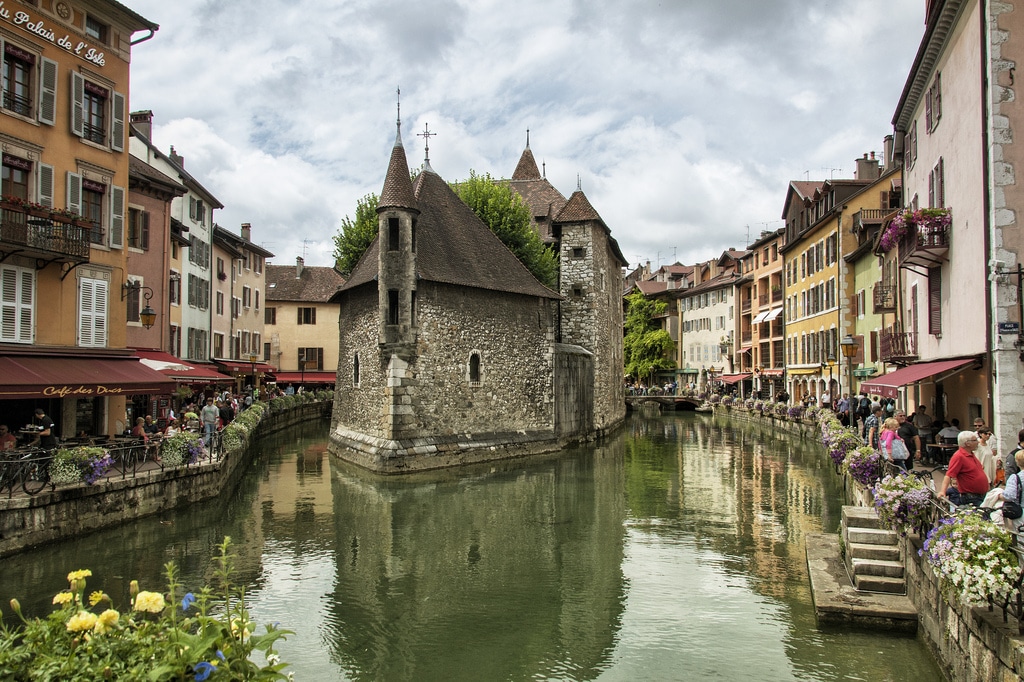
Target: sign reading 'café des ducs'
(39, 28)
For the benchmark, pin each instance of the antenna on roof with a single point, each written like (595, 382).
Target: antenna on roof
(748, 234)
(807, 175)
(305, 242)
(579, 183)
(426, 135)
(544, 169)
(527, 138)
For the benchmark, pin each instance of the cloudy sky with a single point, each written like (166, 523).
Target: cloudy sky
(683, 120)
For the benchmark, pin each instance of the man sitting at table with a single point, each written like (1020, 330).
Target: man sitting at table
(971, 481)
(7, 439)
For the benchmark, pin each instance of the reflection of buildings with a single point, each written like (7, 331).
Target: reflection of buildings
(521, 564)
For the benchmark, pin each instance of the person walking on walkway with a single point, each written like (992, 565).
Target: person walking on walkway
(209, 416)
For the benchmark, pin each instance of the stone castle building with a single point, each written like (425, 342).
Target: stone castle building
(452, 352)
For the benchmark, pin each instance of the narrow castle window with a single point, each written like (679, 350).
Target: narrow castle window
(392, 306)
(393, 234)
(412, 309)
(474, 368)
(355, 370)
(579, 252)
(413, 236)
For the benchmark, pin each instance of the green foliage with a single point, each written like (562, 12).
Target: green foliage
(647, 348)
(163, 636)
(182, 447)
(356, 235)
(508, 217)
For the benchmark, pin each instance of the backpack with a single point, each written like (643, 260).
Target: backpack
(864, 407)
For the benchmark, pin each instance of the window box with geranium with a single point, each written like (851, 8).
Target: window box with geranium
(925, 221)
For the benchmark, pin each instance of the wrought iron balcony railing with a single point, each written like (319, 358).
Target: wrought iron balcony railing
(924, 247)
(51, 237)
(895, 345)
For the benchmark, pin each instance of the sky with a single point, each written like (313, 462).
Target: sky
(683, 121)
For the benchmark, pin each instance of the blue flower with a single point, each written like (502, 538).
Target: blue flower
(220, 655)
(203, 670)
(188, 601)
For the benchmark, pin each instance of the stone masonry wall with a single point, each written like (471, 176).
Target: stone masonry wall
(360, 406)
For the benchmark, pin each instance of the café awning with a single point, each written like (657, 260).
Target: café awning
(734, 378)
(775, 312)
(888, 385)
(48, 376)
(243, 367)
(178, 369)
(760, 317)
(308, 377)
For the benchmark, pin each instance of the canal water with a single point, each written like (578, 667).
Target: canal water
(673, 551)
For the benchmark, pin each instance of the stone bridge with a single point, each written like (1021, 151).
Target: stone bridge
(665, 402)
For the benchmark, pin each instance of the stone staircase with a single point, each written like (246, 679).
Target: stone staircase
(872, 554)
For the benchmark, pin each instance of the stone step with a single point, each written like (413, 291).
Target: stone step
(871, 536)
(877, 583)
(874, 567)
(858, 550)
(860, 517)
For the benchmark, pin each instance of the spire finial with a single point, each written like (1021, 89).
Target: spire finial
(527, 138)
(579, 183)
(426, 135)
(398, 121)
(544, 167)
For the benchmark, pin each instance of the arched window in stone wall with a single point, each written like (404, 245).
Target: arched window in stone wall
(474, 368)
(355, 370)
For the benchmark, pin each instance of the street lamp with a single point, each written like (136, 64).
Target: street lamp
(849, 347)
(147, 316)
(831, 360)
(252, 363)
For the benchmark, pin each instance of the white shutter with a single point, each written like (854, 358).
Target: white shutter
(47, 91)
(77, 104)
(117, 122)
(74, 192)
(116, 217)
(92, 312)
(17, 303)
(44, 184)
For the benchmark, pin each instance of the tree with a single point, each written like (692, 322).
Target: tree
(508, 217)
(356, 235)
(647, 347)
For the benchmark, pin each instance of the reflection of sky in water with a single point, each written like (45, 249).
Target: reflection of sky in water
(689, 617)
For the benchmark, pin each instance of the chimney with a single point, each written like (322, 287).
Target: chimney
(143, 122)
(887, 149)
(247, 231)
(180, 160)
(867, 169)
(298, 266)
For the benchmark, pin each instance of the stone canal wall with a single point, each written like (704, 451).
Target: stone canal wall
(970, 644)
(71, 511)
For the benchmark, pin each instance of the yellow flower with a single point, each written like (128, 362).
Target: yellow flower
(64, 597)
(244, 634)
(96, 597)
(106, 620)
(151, 602)
(83, 620)
(79, 575)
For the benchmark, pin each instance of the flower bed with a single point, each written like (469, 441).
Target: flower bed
(903, 502)
(972, 558)
(72, 465)
(864, 465)
(181, 448)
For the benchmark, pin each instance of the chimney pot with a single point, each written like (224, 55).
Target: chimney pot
(247, 231)
(299, 263)
(143, 122)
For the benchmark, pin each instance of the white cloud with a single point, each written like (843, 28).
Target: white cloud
(684, 121)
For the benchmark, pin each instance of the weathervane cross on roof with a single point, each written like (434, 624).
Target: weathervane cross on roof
(426, 135)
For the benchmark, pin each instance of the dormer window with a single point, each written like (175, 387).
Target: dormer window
(96, 29)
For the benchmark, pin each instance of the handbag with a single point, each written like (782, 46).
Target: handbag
(1012, 508)
(899, 449)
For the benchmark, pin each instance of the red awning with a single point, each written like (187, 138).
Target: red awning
(888, 385)
(180, 370)
(47, 376)
(242, 367)
(308, 377)
(734, 378)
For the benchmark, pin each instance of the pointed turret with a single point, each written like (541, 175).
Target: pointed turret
(397, 191)
(527, 167)
(577, 209)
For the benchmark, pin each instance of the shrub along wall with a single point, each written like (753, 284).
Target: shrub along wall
(71, 511)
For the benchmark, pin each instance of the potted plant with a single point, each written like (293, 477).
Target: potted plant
(972, 558)
(903, 502)
(85, 463)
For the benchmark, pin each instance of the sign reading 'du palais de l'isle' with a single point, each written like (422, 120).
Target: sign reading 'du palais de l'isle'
(38, 27)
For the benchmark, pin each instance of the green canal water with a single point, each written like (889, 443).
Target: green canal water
(673, 551)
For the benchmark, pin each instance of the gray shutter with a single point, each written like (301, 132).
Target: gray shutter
(116, 217)
(74, 192)
(47, 91)
(117, 123)
(44, 184)
(77, 104)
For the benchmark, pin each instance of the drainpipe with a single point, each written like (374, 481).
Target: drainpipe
(987, 197)
(152, 32)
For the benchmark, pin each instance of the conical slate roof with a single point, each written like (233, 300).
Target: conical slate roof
(527, 168)
(577, 210)
(397, 191)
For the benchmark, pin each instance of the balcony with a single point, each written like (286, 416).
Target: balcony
(776, 295)
(746, 336)
(36, 234)
(897, 346)
(871, 216)
(777, 328)
(924, 245)
(762, 300)
(884, 298)
(745, 305)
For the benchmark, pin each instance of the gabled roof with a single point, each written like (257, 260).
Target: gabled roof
(148, 177)
(540, 195)
(237, 242)
(313, 285)
(186, 179)
(453, 246)
(801, 189)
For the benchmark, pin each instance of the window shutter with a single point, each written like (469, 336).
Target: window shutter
(77, 104)
(92, 300)
(17, 304)
(940, 184)
(937, 100)
(74, 192)
(117, 122)
(116, 217)
(144, 236)
(928, 110)
(319, 358)
(44, 184)
(48, 91)
(935, 301)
